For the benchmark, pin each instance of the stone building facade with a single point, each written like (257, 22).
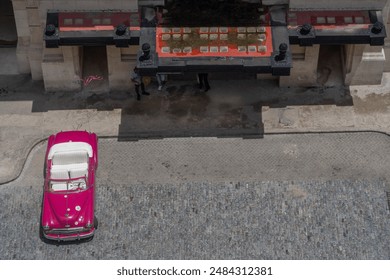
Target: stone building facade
(62, 42)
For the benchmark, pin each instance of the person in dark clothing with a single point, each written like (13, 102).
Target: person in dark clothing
(136, 78)
(204, 81)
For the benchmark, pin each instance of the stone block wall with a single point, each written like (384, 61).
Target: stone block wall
(386, 15)
(121, 61)
(59, 68)
(363, 64)
(337, 4)
(304, 71)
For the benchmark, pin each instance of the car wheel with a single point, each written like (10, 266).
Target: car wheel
(44, 239)
(95, 222)
(41, 236)
(44, 170)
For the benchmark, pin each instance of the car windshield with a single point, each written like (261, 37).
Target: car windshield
(74, 184)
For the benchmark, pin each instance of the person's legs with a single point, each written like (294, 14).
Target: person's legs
(137, 92)
(143, 89)
(200, 80)
(206, 81)
(159, 81)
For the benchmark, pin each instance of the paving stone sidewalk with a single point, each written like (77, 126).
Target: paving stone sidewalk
(247, 108)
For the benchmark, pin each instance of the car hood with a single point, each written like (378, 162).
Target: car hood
(72, 209)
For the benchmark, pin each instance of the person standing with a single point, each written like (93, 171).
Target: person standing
(204, 81)
(136, 78)
(161, 80)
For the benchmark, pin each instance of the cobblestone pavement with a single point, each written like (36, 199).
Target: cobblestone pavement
(311, 196)
(282, 157)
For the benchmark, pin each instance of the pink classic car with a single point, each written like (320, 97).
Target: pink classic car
(69, 190)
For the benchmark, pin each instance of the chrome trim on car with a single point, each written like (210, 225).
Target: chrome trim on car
(70, 237)
(67, 230)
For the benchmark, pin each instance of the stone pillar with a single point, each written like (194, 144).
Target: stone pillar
(35, 60)
(36, 39)
(23, 31)
(120, 63)
(304, 71)
(386, 19)
(22, 55)
(62, 69)
(29, 29)
(364, 64)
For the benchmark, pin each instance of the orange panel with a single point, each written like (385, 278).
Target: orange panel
(95, 28)
(214, 42)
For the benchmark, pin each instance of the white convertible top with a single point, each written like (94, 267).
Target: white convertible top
(70, 147)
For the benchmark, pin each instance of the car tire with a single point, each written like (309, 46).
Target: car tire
(44, 170)
(95, 222)
(44, 239)
(41, 236)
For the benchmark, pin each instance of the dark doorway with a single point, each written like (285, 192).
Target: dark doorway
(8, 34)
(329, 71)
(212, 13)
(95, 69)
(8, 39)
